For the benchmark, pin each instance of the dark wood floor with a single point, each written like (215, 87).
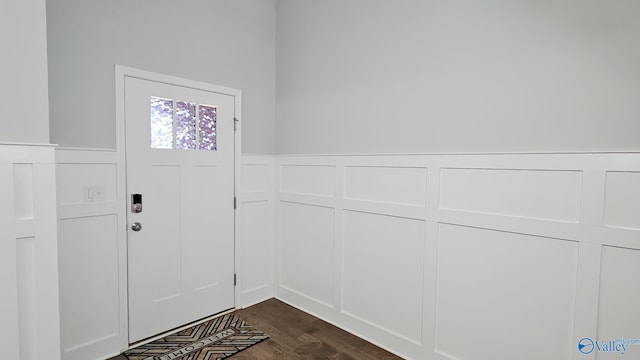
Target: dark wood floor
(294, 334)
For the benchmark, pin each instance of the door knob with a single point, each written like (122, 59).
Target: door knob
(136, 226)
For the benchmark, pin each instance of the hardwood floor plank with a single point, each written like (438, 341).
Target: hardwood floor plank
(294, 334)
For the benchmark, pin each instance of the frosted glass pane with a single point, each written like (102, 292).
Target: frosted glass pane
(207, 128)
(185, 125)
(161, 123)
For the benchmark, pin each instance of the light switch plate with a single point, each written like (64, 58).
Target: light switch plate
(95, 193)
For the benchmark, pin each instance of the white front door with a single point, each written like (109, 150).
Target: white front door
(180, 168)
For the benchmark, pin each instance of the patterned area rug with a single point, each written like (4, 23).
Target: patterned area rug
(215, 339)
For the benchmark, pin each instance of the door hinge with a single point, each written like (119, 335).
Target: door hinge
(235, 124)
(235, 280)
(235, 203)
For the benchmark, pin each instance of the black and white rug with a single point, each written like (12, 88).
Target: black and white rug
(215, 339)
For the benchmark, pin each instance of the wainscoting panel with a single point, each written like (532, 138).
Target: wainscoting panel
(463, 257)
(28, 253)
(256, 178)
(550, 195)
(373, 280)
(89, 281)
(92, 240)
(497, 285)
(23, 191)
(622, 200)
(8, 263)
(256, 235)
(97, 183)
(306, 251)
(619, 313)
(380, 184)
(27, 295)
(255, 231)
(313, 180)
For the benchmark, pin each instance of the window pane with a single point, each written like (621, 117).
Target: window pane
(161, 123)
(207, 128)
(185, 125)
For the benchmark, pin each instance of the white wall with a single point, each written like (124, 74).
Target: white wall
(376, 76)
(23, 72)
(228, 43)
(464, 257)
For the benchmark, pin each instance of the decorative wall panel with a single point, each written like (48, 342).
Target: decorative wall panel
(550, 195)
(308, 180)
(306, 251)
(622, 200)
(376, 287)
(463, 257)
(619, 313)
(497, 285)
(88, 281)
(395, 185)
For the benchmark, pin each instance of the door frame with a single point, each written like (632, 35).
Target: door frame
(122, 72)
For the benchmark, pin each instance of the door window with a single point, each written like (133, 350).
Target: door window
(174, 125)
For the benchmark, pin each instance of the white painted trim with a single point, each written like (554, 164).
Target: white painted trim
(124, 71)
(459, 153)
(237, 154)
(42, 145)
(121, 72)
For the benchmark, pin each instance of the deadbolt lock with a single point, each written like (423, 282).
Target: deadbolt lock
(136, 203)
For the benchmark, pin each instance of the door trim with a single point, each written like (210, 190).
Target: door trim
(122, 72)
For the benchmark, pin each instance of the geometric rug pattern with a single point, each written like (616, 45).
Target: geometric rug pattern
(215, 339)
